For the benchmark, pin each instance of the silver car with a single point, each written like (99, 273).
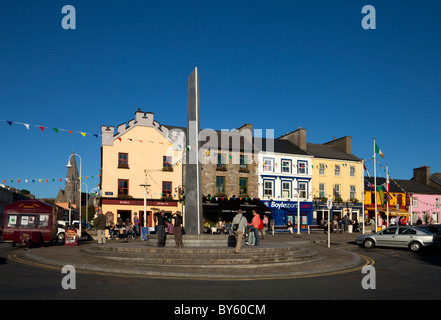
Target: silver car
(399, 236)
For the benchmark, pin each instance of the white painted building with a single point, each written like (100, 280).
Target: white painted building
(284, 179)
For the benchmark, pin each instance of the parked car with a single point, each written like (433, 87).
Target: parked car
(433, 228)
(62, 225)
(401, 237)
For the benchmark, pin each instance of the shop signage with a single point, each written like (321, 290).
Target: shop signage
(140, 202)
(273, 205)
(70, 237)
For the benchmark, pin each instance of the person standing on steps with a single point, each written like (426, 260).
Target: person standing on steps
(256, 223)
(239, 223)
(178, 229)
(160, 228)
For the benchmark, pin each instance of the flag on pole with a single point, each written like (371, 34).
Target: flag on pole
(381, 194)
(377, 150)
(364, 166)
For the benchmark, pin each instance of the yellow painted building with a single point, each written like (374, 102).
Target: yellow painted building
(337, 175)
(142, 156)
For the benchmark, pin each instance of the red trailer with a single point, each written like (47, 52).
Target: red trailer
(30, 221)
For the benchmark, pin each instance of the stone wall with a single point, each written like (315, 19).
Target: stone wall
(232, 173)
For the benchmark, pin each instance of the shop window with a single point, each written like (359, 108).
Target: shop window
(12, 220)
(28, 221)
(43, 220)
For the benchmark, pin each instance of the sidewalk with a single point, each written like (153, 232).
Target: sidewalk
(337, 258)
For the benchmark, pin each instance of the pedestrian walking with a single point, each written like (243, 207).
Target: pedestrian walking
(239, 223)
(178, 229)
(265, 224)
(256, 224)
(373, 226)
(100, 225)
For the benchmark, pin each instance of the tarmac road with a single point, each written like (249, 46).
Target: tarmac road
(399, 274)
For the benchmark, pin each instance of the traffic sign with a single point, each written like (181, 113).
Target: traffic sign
(329, 204)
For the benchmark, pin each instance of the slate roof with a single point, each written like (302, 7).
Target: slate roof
(415, 187)
(436, 177)
(279, 145)
(329, 152)
(409, 186)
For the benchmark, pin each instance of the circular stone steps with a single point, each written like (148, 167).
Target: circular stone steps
(276, 259)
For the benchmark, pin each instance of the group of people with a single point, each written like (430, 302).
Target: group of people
(393, 221)
(241, 229)
(164, 224)
(240, 225)
(341, 225)
(122, 230)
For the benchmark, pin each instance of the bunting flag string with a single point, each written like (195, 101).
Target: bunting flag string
(39, 180)
(82, 133)
(42, 128)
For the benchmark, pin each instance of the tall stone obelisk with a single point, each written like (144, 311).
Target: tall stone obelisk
(193, 185)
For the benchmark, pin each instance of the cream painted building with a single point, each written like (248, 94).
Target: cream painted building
(337, 175)
(141, 157)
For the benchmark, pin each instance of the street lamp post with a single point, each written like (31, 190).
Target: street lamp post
(298, 209)
(70, 166)
(87, 202)
(145, 202)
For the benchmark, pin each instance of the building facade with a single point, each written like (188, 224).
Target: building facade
(337, 174)
(396, 204)
(285, 181)
(140, 161)
(6, 197)
(229, 173)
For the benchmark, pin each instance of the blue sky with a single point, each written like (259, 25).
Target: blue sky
(276, 64)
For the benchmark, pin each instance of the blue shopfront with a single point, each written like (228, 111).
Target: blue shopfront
(284, 211)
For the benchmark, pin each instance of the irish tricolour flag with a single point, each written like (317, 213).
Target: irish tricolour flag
(377, 150)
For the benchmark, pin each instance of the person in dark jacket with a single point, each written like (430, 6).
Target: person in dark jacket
(100, 225)
(178, 229)
(160, 228)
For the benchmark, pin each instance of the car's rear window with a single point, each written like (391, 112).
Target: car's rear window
(425, 231)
